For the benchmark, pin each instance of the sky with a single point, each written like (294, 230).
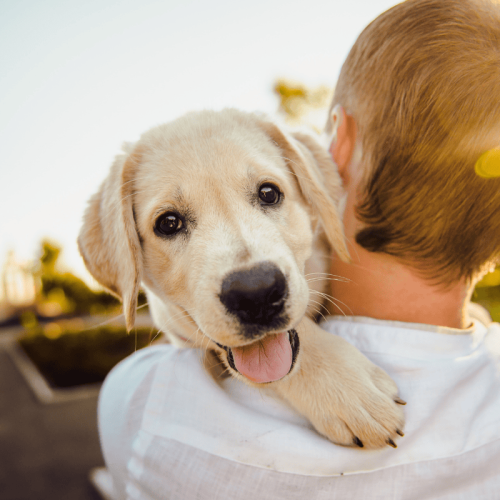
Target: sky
(78, 79)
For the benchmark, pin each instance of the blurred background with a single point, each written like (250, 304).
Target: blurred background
(78, 79)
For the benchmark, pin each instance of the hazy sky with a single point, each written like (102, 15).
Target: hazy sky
(78, 78)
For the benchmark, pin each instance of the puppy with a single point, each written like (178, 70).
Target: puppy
(217, 215)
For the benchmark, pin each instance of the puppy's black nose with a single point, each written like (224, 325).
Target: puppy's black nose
(257, 295)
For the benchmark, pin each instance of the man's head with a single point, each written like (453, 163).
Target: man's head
(421, 94)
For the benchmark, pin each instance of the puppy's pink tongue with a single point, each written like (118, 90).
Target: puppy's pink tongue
(267, 360)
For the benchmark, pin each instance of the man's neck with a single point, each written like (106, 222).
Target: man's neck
(379, 286)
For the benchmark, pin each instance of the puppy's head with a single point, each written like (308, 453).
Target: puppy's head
(215, 213)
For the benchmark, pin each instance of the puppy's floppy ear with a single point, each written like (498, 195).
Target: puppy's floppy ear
(108, 241)
(318, 180)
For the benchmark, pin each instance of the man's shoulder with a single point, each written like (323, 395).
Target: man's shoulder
(138, 371)
(139, 363)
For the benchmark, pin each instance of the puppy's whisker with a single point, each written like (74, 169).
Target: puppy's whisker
(318, 312)
(182, 320)
(179, 321)
(319, 304)
(204, 348)
(215, 358)
(107, 322)
(327, 296)
(188, 338)
(226, 370)
(191, 337)
(208, 343)
(326, 274)
(339, 278)
(333, 301)
(155, 337)
(312, 280)
(178, 314)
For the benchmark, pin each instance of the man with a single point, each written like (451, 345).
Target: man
(414, 129)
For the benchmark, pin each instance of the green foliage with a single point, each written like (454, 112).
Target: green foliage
(491, 279)
(487, 293)
(63, 292)
(50, 254)
(79, 296)
(489, 297)
(28, 319)
(68, 356)
(65, 351)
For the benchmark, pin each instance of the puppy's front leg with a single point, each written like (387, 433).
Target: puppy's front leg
(344, 395)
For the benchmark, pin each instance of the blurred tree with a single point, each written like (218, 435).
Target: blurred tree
(71, 350)
(50, 254)
(63, 292)
(487, 293)
(492, 279)
(301, 105)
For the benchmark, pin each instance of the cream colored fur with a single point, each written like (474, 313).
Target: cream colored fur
(208, 166)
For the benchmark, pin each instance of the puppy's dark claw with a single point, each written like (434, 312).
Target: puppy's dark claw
(358, 442)
(399, 401)
(390, 442)
(400, 433)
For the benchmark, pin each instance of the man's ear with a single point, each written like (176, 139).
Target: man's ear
(318, 180)
(108, 240)
(343, 130)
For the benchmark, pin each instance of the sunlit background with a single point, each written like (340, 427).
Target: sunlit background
(79, 78)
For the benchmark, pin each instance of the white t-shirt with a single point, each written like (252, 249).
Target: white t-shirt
(169, 431)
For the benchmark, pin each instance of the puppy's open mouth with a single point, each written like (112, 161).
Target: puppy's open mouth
(266, 360)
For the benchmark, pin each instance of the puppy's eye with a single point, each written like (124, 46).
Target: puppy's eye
(168, 224)
(269, 194)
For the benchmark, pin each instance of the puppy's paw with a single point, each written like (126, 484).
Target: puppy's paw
(343, 394)
(363, 410)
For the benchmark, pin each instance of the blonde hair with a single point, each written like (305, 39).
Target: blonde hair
(423, 84)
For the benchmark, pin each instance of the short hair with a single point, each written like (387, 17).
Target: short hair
(423, 84)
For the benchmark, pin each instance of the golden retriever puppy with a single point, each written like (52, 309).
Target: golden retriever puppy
(219, 215)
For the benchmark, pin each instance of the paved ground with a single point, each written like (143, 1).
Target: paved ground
(46, 451)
